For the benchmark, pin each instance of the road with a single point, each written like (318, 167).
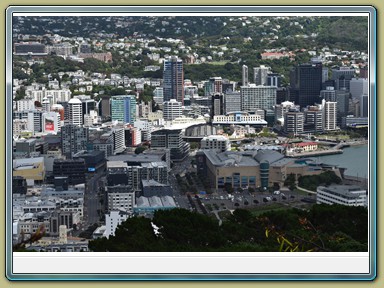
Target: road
(91, 200)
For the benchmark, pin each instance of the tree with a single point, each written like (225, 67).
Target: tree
(140, 149)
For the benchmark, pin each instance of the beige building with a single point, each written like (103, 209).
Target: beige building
(255, 169)
(29, 168)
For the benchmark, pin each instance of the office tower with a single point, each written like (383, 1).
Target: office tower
(347, 72)
(257, 97)
(260, 75)
(87, 103)
(342, 99)
(314, 118)
(73, 139)
(284, 107)
(173, 80)
(273, 79)
(306, 82)
(217, 107)
(329, 94)
(170, 139)
(232, 102)
(245, 76)
(330, 115)
(358, 87)
(294, 122)
(123, 108)
(342, 77)
(364, 105)
(282, 94)
(214, 85)
(105, 107)
(172, 109)
(75, 112)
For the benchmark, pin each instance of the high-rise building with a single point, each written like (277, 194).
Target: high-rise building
(260, 75)
(75, 112)
(358, 87)
(330, 115)
(257, 97)
(170, 139)
(73, 139)
(173, 79)
(294, 122)
(329, 94)
(306, 82)
(123, 108)
(364, 105)
(284, 107)
(214, 85)
(273, 79)
(105, 107)
(217, 104)
(232, 102)
(245, 75)
(342, 99)
(314, 118)
(172, 109)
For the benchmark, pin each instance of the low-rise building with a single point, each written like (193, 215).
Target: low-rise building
(342, 194)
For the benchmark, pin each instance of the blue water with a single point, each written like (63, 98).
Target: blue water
(354, 158)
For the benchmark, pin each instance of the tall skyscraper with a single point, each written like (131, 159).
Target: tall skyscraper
(123, 108)
(306, 82)
(173, 76)
(75, 110)
(260, 75)
(73, 139)
(245, 76)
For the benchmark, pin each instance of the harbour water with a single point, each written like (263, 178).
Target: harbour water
(354, 158)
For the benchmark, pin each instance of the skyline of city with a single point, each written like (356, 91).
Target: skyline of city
(111, 129)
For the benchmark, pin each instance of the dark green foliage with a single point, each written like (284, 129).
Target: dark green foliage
(325, 178)
(324, 228)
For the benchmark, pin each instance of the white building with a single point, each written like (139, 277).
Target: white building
(217, 142)
(245, 75)
(342, 194)
(281, 109)
(240, 118)
(330, 115)
(257, 97)
(75, 109)
(172, 109)
(25, 104)
(120, 197)
(114, 219)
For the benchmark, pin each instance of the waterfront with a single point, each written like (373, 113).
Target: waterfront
(354, 158)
